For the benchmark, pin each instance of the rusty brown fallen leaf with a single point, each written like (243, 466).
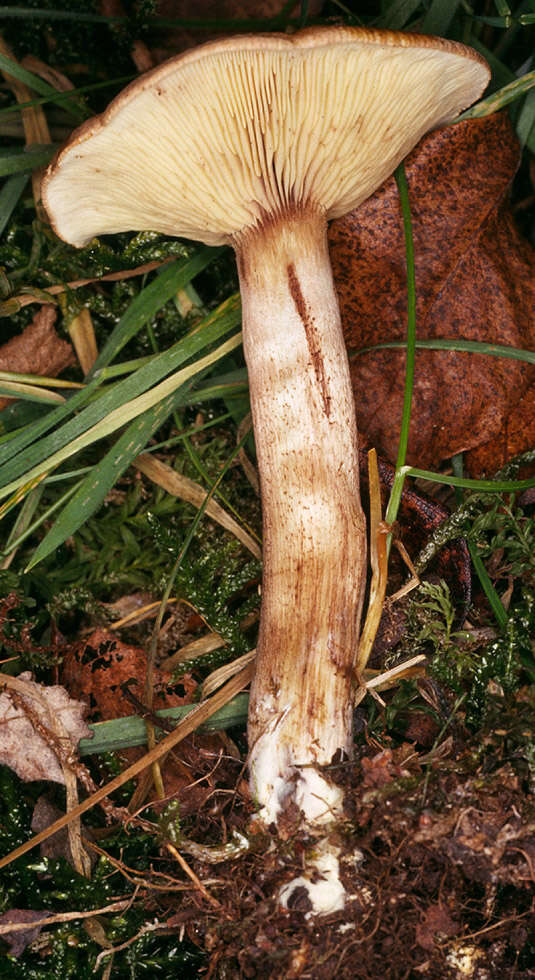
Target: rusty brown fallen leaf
(18, 939)
(435, 925)
(516, 436)
(58, 846)
(38, 350)
(197, 717)
(96, 668)
(475, 279)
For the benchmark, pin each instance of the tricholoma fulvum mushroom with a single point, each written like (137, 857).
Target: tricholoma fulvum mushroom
(257, 142)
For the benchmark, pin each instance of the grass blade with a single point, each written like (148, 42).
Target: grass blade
(103, 477)
(66, 98)
(42, 13)
(495, 602)
(38, 379)
(121, 416)
(25, 160)
(31, 393)
(173, 277)
(468, 346)
(525, 124)
(18, 458)
(34, 433)
(124, 733)
(398, 14)
(486, 486)
(439, 17)
(9, 197)
(15, 540)
(11, 67)
(399, 478)
(503, 8)
(496, 101)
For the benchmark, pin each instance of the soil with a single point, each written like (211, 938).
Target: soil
(437, 859)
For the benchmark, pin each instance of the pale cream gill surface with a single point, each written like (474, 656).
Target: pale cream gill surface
(207, 150)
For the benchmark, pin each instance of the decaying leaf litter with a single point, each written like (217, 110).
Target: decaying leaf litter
(411, 743)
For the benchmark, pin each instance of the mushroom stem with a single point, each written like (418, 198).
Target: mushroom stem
(300, 711)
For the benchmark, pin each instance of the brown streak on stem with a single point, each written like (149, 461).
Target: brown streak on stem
(313, 341)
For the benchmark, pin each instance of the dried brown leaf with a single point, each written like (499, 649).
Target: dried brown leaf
(100, 667)
(474, 280)
(58, 845)
(516, 436)
(436, 924)
(19, 940)
(379, 770)
(181, 486)
(27, 750)
(38, 350)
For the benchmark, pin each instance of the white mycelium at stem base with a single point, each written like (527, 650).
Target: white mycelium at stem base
(314, 555)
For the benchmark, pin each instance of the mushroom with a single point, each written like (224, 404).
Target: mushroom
(257, 141)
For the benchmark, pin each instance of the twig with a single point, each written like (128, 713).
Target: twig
(150, 927)
(24, 299)
(191, 874)
(136, 878)
(64, 917)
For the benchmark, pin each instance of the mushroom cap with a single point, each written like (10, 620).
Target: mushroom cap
(235, 132)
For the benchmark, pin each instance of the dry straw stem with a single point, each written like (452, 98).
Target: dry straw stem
(82, 334)
(197, 648)
(379, 565)
(55, 78)
(222, 674)
(184, 488)
(149, 611)
(373, 681)
(199, 715)
(150, 927)
(35, 126)
(386, 679)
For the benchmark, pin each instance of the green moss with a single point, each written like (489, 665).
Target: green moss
(459, 660)
(66, 950)
(218, 582)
